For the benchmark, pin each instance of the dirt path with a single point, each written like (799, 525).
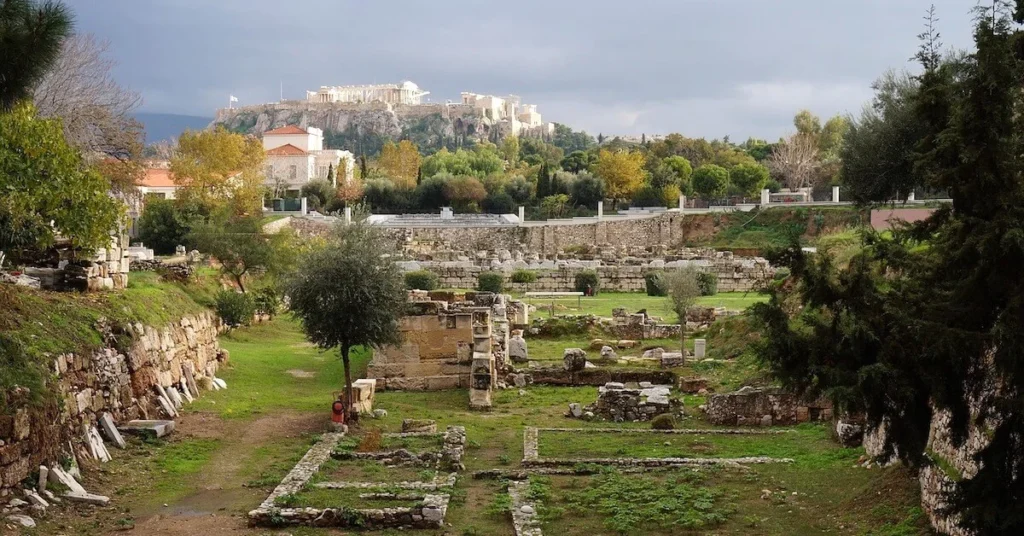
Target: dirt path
(219, 499)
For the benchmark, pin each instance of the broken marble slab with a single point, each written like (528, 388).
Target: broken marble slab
(110, 430)
(148, 428)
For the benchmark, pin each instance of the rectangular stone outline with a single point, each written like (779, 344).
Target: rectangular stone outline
(432, 512)
(531, 452)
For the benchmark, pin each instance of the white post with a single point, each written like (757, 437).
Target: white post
(600, 210)
(766, 197)
(835, 194)
(682, 202)
(348, 215)
(910, 198)
(522, 214)
(303, 206)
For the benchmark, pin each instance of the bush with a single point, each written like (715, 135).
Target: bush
(491, 282)
(648, 196)
(235, 308)
(421, 280)
(524, 276)
(708, 283)
(266, 301)
(781, 273)
(499, 203)
(665, 421)
(656, 284)
(166, 224)
(587, 278)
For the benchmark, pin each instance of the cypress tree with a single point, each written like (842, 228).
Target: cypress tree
(543, 182)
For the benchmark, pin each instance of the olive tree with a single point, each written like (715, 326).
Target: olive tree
(683, 291)
(349, 293)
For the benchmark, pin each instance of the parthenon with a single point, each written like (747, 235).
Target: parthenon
(403, 93)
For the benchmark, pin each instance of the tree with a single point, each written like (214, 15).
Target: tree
(554, 206)
(748, 179)
(400, 163)
(543, 181)
(48, 190)
(796, 161)
(96, 112)
(683, 291)
(535, 151)
(241, 247)
(587, 190)
(331, 178)
(510, 150)
(928, 320)
(682, 169)
(464, 193)
(218, 168)
(711, 181)
(165, 224)
(429, 195)
(349, 293)
(577, 161)
(569, 141)
(318, 193)
(622, 172)
(31, 37)
(520, 189)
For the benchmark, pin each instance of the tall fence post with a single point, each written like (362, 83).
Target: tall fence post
(835, 194)
(600, 210)
(522, 214)
(766, 197)
(348, 215)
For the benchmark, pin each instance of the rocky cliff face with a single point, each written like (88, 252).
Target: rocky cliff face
(362, 128)
(121, 379)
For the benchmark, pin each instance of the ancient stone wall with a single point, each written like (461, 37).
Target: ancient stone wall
(121, 379)
(764, 407)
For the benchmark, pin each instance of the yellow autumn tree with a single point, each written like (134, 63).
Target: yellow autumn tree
(622, 172)
(400, 163)
(220, 168)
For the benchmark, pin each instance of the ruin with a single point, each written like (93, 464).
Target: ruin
(751, 406)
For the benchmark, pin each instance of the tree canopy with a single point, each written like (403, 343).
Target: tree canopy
(31, 37)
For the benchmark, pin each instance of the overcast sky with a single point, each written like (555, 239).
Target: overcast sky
(700, 67)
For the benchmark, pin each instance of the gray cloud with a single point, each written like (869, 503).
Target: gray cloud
(700, 67)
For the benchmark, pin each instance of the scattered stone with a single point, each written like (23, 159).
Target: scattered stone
(110, 430)
(672, 359)
(380, 413)
(35, 499)
(766, 420)
(654, 353)
(626, 344)
(700, 348)
(22, 520)
(614, 385)
(174, 397)
(148, 428)
(17, 503)
(575, 410)
(766, 494)
(43, 475)
(166, 406)
(419, 425)
(589, 365)
(608, 353)
(87, 498)
(220, 383)
(517, 350)
(574, 359)
(849, 434)
(302, 374)
(526, 509)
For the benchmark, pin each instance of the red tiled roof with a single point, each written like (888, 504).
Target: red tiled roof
(290, 129)
(157, 178)
(286, 150)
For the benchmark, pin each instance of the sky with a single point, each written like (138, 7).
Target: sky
(703, 68)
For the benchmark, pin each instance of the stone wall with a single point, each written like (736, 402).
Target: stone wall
(106, 270)
(121, 379)
(764, 407)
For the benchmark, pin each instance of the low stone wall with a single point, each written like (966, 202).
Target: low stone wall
(764, 407)
(598, 377)
(617, 403)
(120, 378)
(106, 270)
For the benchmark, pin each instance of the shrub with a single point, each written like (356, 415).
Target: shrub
(491, 282)
(499, 203)
(656, 284)
(587, 278)
(421, 280)
(781, 273)
(710, 181)
(524, 276)
(648, 196)
(708, 283)
(235, 308)
(665, 421)
(266, 301)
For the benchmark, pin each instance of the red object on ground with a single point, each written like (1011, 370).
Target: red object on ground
(338, 412)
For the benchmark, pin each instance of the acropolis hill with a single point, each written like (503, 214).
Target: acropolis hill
(350, 113)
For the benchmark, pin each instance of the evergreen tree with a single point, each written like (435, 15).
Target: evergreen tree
(363, 172)
(31, 39)
(543, 181)
(330, 173)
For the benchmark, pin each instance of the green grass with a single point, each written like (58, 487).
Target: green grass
(177, 463)
(776, 226)
(262, 383)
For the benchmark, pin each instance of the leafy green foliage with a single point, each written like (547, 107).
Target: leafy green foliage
(241, 247)
(44, 180)
(166, 224)
(18, 369)
(235, 308)
(266, 301)
(656, 283)
(524, 276)
(710, 181)
(421, 280)
(648, 196)
(708, 283)
(318, 194)
(32, 34)
(587, 280)
(748, 179)
(491, 282)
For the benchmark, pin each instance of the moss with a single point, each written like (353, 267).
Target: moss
(945, 466)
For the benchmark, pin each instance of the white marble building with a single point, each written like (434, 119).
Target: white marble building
(521, 117)
(404, 93)
(296, 156)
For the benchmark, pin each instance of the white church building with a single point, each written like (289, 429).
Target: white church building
(296, 156)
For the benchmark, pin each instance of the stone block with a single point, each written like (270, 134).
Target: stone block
(419, 426)
(148, 428)
(110, 430)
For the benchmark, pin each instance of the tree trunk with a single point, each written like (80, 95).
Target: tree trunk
(682, 334)
(238, 279)
(348, 382)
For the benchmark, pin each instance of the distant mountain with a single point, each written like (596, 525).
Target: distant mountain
(161, 127)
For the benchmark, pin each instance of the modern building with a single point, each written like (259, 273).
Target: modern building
(158, 183)
(404, 93)
(296, 156)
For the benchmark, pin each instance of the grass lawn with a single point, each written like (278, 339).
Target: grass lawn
(603, 303)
